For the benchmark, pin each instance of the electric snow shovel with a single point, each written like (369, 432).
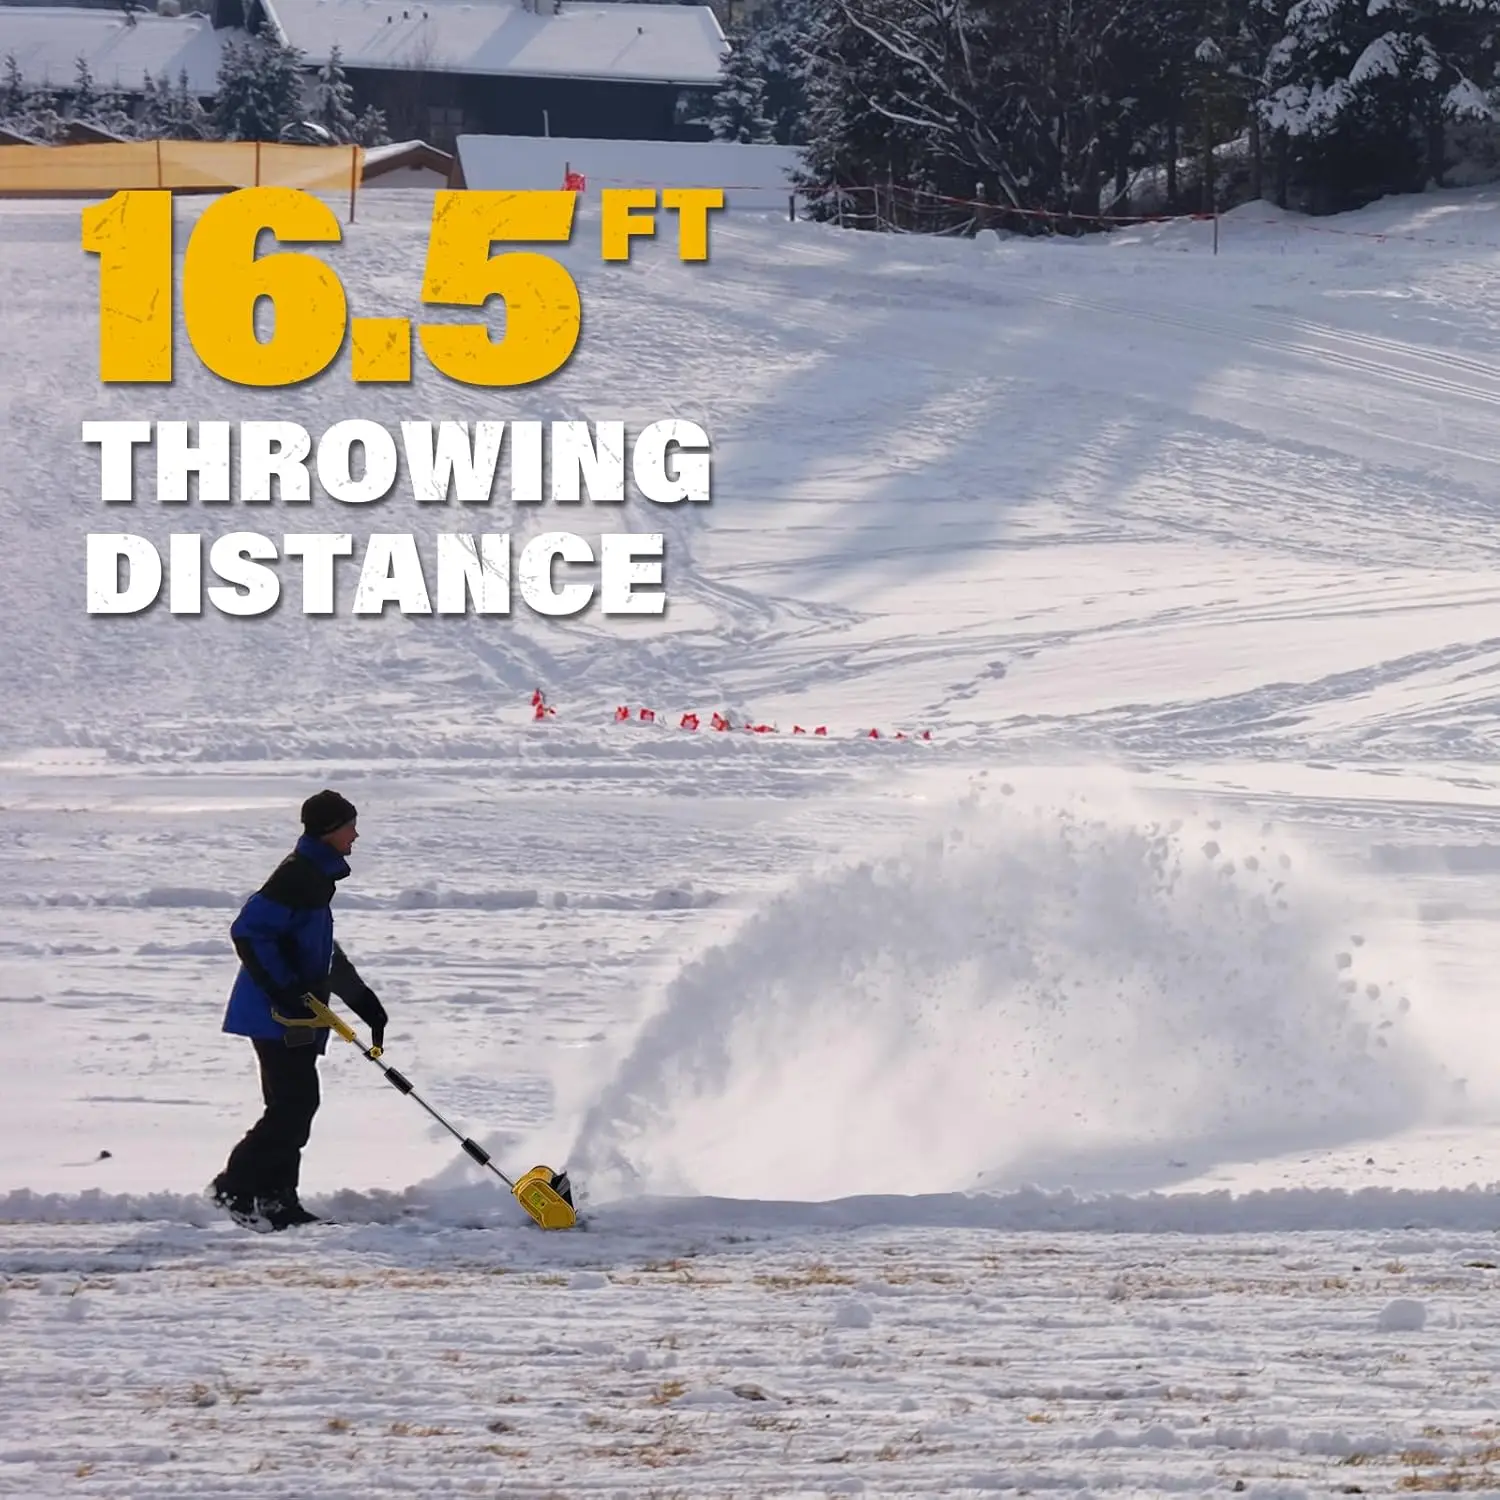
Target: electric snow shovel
(546, 1195)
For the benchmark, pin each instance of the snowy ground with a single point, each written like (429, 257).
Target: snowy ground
(1061, 1103)
(165, 1363)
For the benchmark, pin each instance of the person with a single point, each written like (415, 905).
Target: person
(284, 938)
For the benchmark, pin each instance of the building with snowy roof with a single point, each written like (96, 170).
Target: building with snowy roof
(121, 52)
(601, 69)
(442, 68)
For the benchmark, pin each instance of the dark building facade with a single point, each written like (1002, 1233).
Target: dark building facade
(438, 107)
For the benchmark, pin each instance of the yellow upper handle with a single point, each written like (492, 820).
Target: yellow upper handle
(327, 1017)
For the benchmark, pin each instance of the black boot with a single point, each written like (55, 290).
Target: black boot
(240, 1206)
(284, 1211)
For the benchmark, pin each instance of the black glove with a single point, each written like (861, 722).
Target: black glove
(372, 1013)
(292, 1005)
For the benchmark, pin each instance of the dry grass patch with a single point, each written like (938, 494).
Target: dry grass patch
(662, 1451)
(1449, 1482)
(1475, 1470)
(818, 1273)
(764, 1422)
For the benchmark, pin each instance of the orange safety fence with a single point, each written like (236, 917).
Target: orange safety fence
(188, 166)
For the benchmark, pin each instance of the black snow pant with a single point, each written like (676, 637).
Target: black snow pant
(267, 1163)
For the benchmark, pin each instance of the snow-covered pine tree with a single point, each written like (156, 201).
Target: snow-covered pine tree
(115, 113)
(259, 89)
(12, 88)
(40, 116)
(780, 31)
(1142, 106)
(1025, 99)
(171, 112)
(89, 105)
(1225, 84)
(183, 117)
(738, 112)
(83, 98)
(370, 129)
(866, 152)
(1072, 90)
(332, 104)
(1363, 92)
(152, 113)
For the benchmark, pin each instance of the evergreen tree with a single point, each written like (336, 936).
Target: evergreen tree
(737, 112)
(152, 113)
(781, 30)
(171, 112)
(1364, 92)
(12, 89)
(333, 100)
(183, 117)
(84, 98)
(41, 115)
(370, 129)
(260, 89)
(1226, 82)
(88, 105)
(861, 144)
(1026, 99)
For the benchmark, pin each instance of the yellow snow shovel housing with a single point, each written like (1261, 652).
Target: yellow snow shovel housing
(546, 1195)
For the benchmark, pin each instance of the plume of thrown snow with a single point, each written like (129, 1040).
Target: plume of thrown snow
(1042, 985)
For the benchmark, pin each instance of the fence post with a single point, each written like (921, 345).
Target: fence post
(791, 207)
(1216, 231)
(353, 178)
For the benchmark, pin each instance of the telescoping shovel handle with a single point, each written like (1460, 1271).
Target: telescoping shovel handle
(544, 1194)
(402, 1084)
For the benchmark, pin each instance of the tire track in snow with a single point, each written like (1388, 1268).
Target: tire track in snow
(1431, 384)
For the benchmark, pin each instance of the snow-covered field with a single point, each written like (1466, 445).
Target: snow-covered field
(1100, 1095)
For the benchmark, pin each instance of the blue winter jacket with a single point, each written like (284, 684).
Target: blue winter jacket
(284, 938)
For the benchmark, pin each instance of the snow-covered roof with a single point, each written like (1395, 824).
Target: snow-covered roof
(406, 162)
(404, 151)
(756, 177)
(681, 44)
(47, 42)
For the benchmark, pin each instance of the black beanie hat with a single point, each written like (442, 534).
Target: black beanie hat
(325, 811)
